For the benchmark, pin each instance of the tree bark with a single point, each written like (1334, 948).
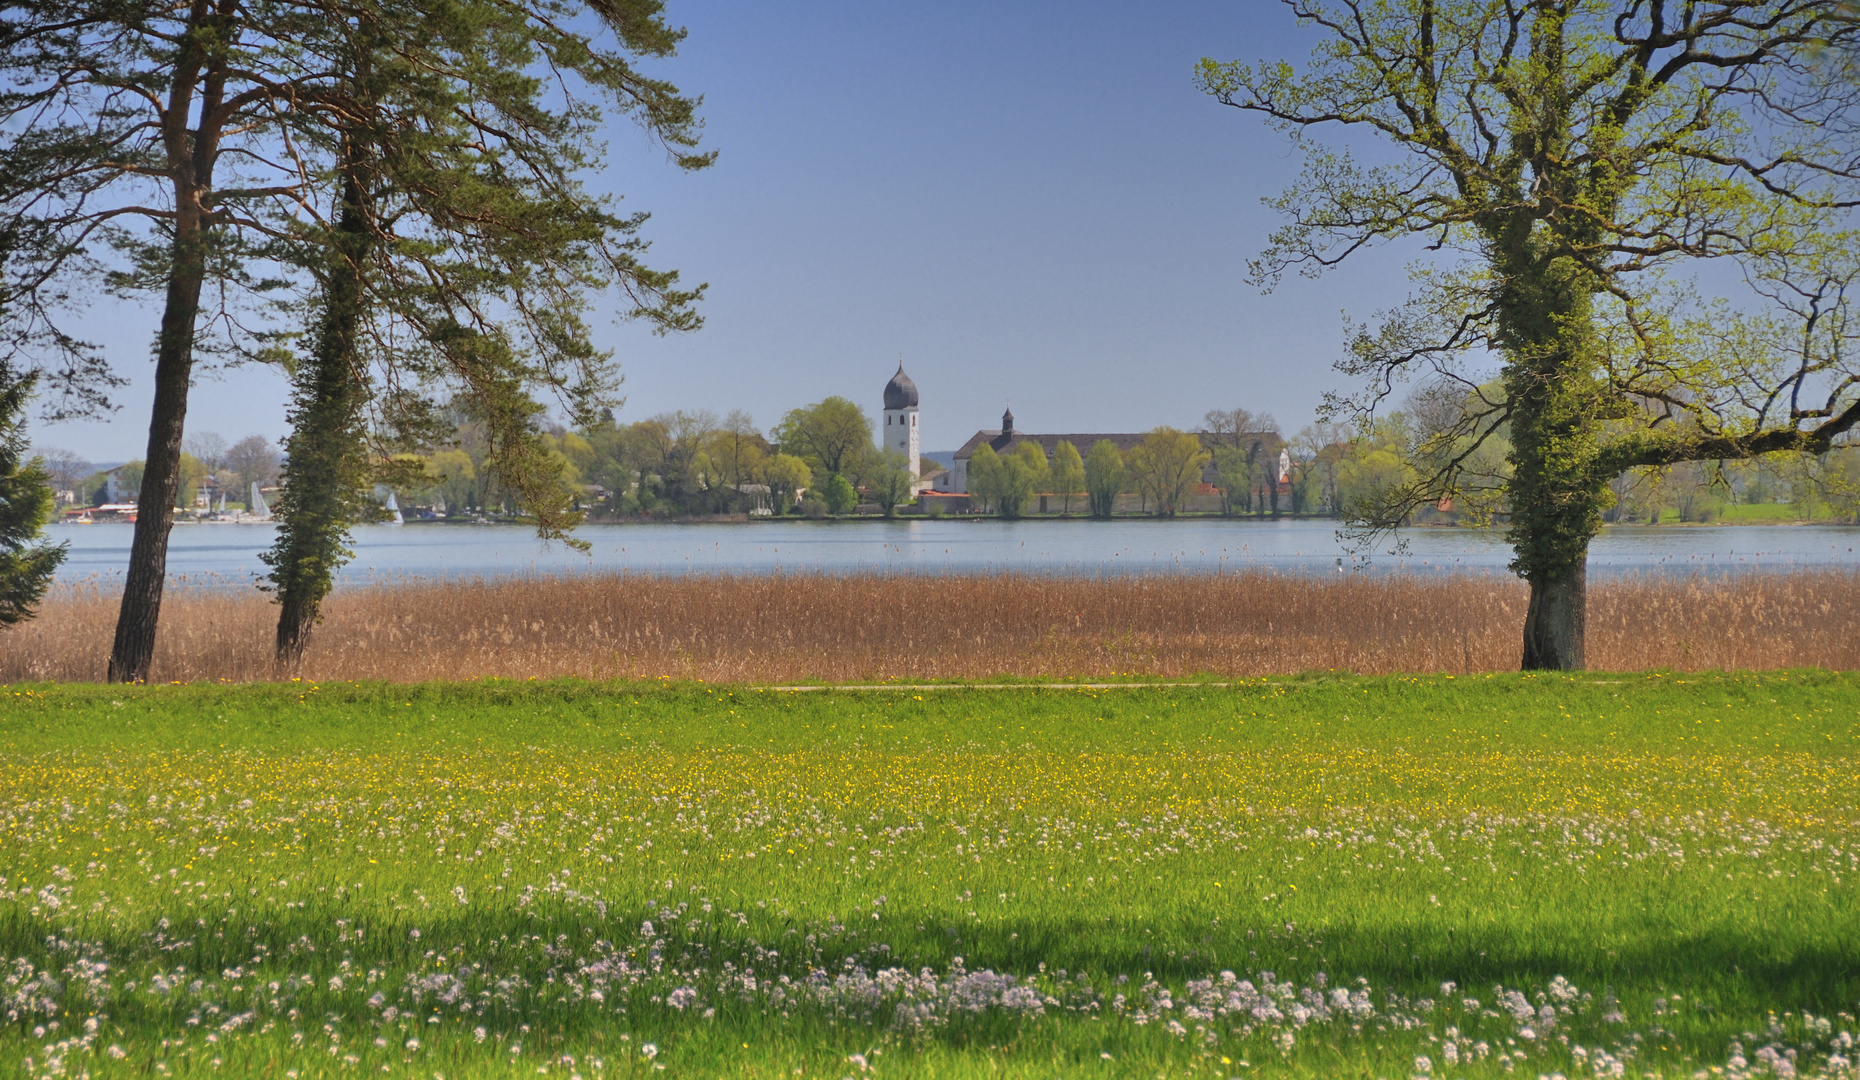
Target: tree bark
(134, 648)
(324, 468)
(1556, 623)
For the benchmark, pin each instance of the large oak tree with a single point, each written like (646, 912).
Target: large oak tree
(1577, 162)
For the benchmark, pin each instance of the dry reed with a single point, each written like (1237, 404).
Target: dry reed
(875, 626)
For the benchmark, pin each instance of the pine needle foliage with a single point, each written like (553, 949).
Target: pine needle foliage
(26, 503)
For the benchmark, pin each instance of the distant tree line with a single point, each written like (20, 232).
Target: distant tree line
(817, 460)
(820, 461)
(206, 461)
(1362, 466)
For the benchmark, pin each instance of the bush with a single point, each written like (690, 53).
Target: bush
(839, 495)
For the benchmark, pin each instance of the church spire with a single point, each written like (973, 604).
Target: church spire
(1007, 421)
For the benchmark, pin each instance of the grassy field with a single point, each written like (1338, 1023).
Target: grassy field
(1389, 877)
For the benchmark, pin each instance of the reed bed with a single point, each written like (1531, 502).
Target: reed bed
(796, 628)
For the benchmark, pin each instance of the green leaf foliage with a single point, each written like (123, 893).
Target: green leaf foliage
(1104, 478)
(1575, 163)
(839, 495)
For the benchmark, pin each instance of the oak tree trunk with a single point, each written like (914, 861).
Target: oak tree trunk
(1556, 623)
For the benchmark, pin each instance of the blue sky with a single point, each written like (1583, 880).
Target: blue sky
(1025, 202)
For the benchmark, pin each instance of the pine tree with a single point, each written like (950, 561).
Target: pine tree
(459, 256)
(26, 503)
(217, 128)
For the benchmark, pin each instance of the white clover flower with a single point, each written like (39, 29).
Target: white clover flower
(649, 1051)
(1423, 1064)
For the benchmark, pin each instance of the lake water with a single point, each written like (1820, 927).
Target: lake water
(229, 553)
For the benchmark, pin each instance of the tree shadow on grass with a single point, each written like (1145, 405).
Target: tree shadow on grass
(550, 940)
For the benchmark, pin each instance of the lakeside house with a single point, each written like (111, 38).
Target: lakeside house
(114, 490)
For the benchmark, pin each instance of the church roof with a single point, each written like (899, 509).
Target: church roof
(1002, 442)
(900, 392)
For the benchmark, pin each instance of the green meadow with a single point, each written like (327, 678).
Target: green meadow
(1516, 875)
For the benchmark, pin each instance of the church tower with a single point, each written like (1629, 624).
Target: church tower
(899, 431)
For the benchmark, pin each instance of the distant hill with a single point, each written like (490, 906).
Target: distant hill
(945, 458)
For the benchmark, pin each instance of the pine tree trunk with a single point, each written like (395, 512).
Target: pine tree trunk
(324, 468)
(296, 617)
(1556, 623)
(134, 648)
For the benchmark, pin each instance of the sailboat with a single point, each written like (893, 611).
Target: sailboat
(257, 508)
(393, 507)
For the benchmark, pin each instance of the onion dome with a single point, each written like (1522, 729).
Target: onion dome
(900, 392)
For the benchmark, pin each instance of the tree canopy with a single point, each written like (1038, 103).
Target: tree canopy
(833, 435)
(208, 152)
(1574, 163)
(1167, 465)
(1104, 478)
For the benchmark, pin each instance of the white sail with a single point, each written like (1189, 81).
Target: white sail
(258, 507)
(393, 507)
